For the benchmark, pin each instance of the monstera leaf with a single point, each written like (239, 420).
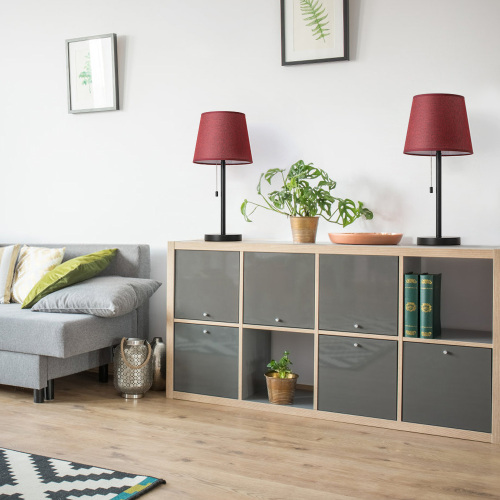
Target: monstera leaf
(314, 12)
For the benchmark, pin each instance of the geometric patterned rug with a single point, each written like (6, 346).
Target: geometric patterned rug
(24, 476)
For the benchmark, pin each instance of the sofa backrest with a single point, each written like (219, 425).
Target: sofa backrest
(130, 260)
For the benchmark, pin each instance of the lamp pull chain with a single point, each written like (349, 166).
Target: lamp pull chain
(216, 180)
(431, 189)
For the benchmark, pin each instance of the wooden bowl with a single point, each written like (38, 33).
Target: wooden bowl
(366, 238)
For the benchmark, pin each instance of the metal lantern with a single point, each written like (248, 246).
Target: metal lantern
(133, 368)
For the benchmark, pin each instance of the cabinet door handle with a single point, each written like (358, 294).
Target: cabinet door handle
(206, 332)
(356, 344)
(277, 320)
(206, 315)
(446, 352)
(356, 325)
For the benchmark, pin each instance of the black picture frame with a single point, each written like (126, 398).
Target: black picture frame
(338, 54)
(83, 76)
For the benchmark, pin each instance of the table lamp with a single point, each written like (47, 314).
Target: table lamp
(438, 127)
(223, 140)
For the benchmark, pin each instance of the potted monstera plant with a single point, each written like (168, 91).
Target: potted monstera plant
(281, 381)
(305, 203)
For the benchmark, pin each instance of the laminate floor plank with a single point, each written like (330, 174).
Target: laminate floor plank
(206, 451)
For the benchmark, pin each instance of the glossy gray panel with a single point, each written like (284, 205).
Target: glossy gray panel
(358, 290)
(279, 289)
(206, 360)
(358, 376)
(207, 285)
(448, 390)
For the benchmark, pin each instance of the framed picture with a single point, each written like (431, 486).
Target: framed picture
(92, 74)
(314, 31)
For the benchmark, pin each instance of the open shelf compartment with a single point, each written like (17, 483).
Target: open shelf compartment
(260, 346)
(466, 296)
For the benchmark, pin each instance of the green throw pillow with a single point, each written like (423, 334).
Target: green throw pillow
(68, 273)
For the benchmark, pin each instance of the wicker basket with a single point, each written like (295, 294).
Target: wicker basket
(304, 229)
(281, 390)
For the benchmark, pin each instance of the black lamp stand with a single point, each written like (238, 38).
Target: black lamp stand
(438, 240)
(223, 236)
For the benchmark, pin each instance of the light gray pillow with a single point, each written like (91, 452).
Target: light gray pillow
(104, 296)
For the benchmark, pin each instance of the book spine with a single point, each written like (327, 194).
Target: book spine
(430, 306)
(411, 305)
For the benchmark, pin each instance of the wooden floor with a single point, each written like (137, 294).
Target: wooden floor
(211, 452)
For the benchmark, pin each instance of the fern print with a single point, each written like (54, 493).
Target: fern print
(313, 11)
(86, 74)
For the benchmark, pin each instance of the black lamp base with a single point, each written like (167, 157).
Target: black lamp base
(434, 241)
(223, 237)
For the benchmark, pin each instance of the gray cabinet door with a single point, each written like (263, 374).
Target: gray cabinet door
(206, 360)
(358, 376)
(278, 289)
(358, 293)
(207, 285)
(448, 390)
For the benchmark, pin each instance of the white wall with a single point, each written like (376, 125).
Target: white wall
(128, 177)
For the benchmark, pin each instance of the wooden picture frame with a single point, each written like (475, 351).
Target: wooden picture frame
(314, 31)
(92, 74)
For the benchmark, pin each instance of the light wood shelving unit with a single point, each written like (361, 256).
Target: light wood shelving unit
(408, 257)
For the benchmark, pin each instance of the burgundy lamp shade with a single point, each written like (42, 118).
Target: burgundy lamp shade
(222, 135)
(438, 122)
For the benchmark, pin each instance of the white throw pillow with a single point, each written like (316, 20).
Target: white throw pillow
(8, 258)
(33, 264)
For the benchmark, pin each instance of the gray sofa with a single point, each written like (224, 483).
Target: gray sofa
(38, 347)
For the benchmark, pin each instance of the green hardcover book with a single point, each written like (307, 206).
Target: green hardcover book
(411, 305)
(430, 306)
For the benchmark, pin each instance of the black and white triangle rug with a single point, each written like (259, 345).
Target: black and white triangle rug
(24, 476)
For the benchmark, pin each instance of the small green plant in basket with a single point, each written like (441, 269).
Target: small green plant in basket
(281, 381)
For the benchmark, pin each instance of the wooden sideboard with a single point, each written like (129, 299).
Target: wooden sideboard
(339, 310)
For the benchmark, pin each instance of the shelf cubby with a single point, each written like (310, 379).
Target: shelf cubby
(466, 296)
(260, 346)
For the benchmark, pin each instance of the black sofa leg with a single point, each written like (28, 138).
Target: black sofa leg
(38, 395)
(103, 374)
(49, 390)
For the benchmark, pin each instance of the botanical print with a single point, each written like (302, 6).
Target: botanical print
(314, 12)
(313, 24)
(83, 74)
(86, 74)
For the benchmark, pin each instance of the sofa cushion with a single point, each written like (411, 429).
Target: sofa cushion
(70, 272)
(104, 296)
(33, 263)
(8, 258)
(59, 334)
